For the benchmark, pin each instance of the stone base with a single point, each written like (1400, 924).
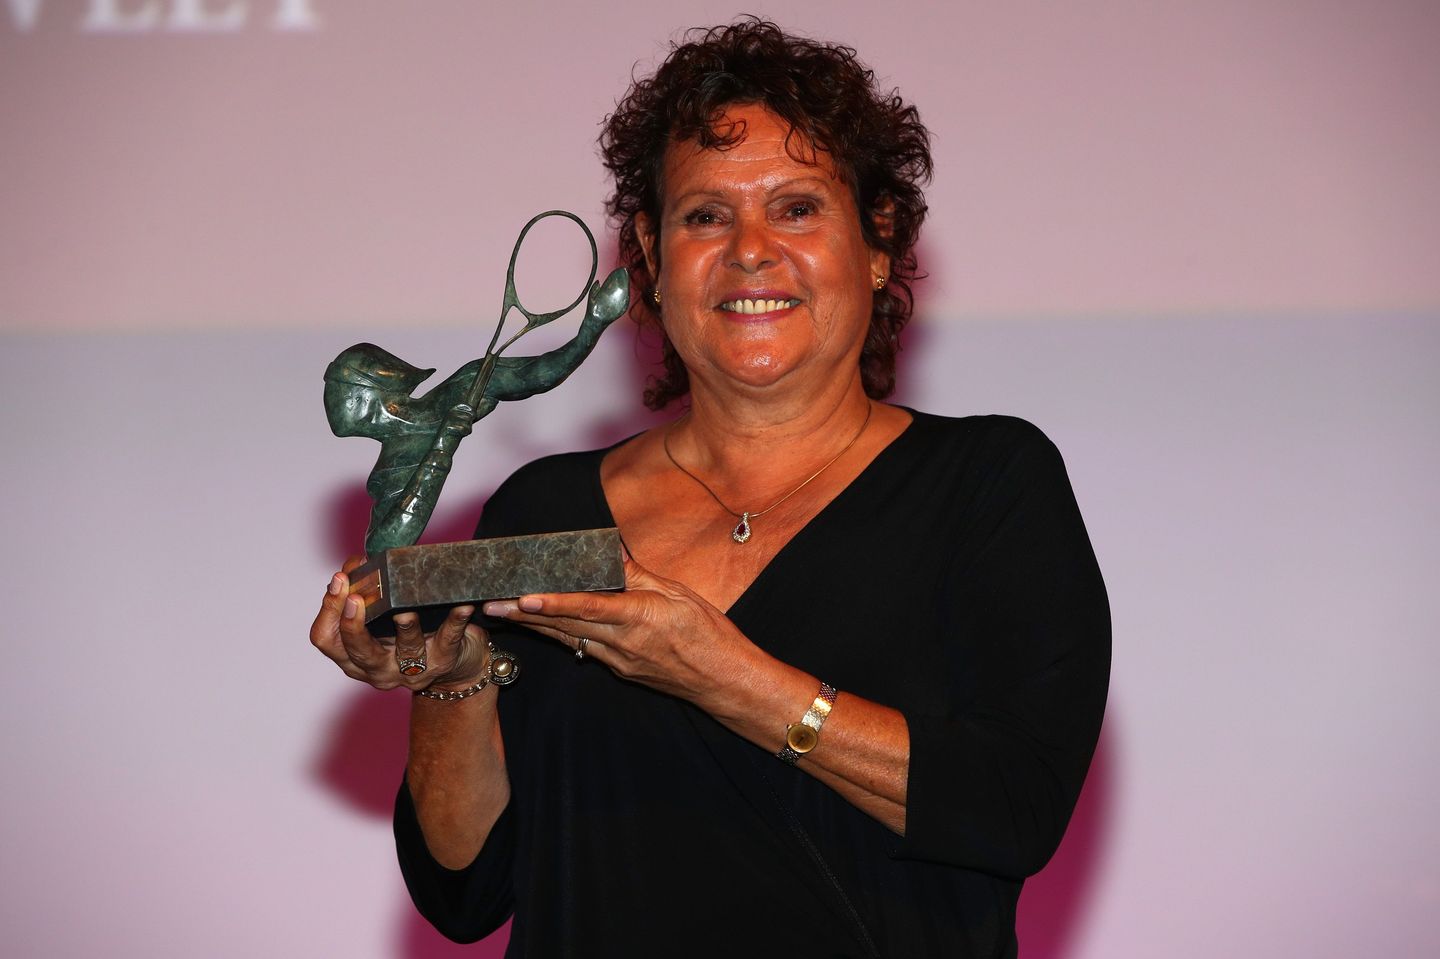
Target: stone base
(432, 579)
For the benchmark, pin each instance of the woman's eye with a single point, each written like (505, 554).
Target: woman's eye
(702, 217)
(800, 209)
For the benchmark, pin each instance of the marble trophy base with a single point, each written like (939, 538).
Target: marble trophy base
(431, 579)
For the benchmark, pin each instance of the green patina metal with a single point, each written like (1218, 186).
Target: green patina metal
(368, 392)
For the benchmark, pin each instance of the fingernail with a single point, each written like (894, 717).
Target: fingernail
(499, 608)
(335, 585)
(531, 604)
(352, 607)
(463, 613)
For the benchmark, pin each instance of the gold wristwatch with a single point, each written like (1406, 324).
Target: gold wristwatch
(803, 736)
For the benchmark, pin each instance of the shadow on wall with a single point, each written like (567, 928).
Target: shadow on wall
(361, 764)
(1052, 904)
(419, 940)
(347, 514)
(364, 750)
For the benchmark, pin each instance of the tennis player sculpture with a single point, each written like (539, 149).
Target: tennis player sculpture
(368, 392)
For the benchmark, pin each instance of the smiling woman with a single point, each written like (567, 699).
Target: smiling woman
(755, 225)
(849, 724)
(838, 122)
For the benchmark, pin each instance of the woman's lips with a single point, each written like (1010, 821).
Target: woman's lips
(754, 306)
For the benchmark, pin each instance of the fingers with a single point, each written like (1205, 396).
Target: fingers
(325, 630)
(571, 612)
(547, 615)
(587, 648)
(456, 652)
(637, 577)
(409, 645)
(375, 662)
(327, 621)
(599, 625)
(566, 613)
(452, 629)
(458, 648)
(584, 647)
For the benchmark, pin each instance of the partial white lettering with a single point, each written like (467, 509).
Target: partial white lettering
(190, 16)
(105, 16)
(295, 15)
(23, 13)
(128, 17)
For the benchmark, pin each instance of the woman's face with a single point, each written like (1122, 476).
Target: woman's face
(752, 223)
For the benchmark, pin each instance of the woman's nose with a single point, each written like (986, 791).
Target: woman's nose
(752, 247)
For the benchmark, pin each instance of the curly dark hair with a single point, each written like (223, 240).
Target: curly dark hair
(831, 100)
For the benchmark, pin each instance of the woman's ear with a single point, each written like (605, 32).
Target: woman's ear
(882, 218)
(879, 267)
(645, 232)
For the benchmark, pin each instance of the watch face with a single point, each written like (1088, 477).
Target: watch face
(801, 738)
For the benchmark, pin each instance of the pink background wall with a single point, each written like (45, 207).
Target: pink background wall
(1196, 243)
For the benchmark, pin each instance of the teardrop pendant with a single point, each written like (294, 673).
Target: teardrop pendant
(741, 532)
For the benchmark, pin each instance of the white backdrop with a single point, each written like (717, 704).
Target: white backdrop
(1194, 243)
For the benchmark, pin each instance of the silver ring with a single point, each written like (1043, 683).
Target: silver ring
(580, 649)
(412, 666)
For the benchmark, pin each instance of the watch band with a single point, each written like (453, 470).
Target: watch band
(803, 736)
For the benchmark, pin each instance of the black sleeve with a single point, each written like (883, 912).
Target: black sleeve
(467, 904)
(993, 780)
(463, 904)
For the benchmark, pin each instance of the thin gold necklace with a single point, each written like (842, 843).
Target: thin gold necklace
(741, 532)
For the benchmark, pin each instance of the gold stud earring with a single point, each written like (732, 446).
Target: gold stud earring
(655, 295)
(880, 282)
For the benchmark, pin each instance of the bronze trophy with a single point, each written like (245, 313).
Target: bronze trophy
(368, 392)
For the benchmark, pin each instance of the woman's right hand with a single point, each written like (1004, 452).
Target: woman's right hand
(456, 768)
(456, 655)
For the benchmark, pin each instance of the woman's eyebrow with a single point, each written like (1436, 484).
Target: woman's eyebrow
(721, 193)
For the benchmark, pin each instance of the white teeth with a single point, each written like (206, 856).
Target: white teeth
(758, 306)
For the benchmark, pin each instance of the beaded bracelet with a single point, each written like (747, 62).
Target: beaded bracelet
(502, 669)
(450, 695)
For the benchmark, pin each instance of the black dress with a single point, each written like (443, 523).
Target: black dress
(952, 580)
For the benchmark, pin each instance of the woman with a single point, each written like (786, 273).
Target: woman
(676, 771)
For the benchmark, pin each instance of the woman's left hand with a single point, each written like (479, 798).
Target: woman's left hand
(661, 633)
(657, 632)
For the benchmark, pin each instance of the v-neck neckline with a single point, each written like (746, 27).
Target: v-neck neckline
(602, 503)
